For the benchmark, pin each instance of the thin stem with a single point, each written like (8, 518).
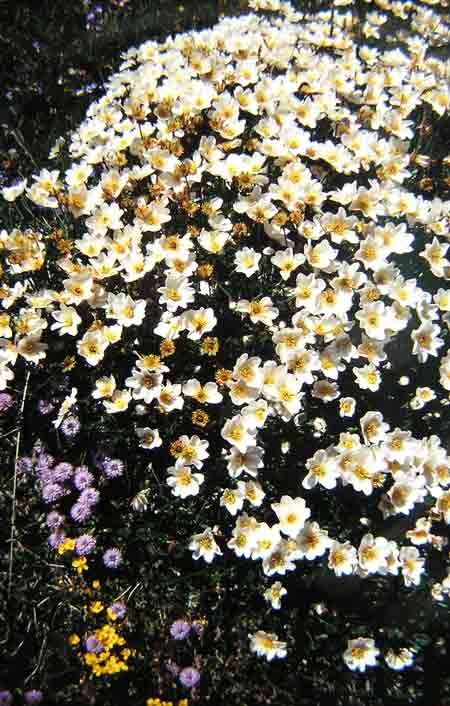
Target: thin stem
(13, 508)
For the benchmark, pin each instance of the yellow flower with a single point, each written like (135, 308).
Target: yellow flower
(223, 376)
(96, 607)
(209, 345)
(111, 615)
(73, 640)
(67, 546)
(200, 418)
(166, 348)
(205, 271)
(68, 363)
(80, 564)
(96, 584)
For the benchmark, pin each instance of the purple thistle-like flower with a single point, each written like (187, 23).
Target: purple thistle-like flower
(119, 609)
(85, 544)
(51, 492)
(45, 407)
(5, 698)
(94, 645)
(180, 629)
(34, 696)
(25, 464)
(62, 472)
(82, 478)
(173, 668)
(70, 426)
(80, 512)
(89, 496)
(112, 467)
(56, 538)
(44, 462)
(112, 558)
(6, 401)
(189, 677)
(54, 520)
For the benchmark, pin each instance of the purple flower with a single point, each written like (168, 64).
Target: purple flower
(51, 492)
(62, 472)
(112, 558)
(25, 464)
(44, 462)
(112, 467)
(33, 697)
(82, 478)
(81, 511)
(45, 407)
(93, 645)
(54, 520)
(5, 698)
(89, 496)
(189, 677)
(173, 668)
(119, 609)
(56, 538)
(6, 401)
(70, 426)
(180, 629)
(85, 544)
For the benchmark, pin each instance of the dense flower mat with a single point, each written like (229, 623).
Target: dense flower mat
(226, 301)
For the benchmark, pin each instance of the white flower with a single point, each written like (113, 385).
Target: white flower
(367, 377)
(248, 461)
(292, 514)
(198, 322)
(208, 393)
(204, 545)
(426, 341)
(182, 481)
(118, 402)
(247, 261)
(342, 558)
(170, 397)
(373, 427)
(146, 385)
(287, 262)
(176, 293)
(67, 321)
(237, 434)
(32, 348)
(347, 406)
(232, 499)
(149, 438)
(258, 310)
(125, 310)
(399, 660)
(361, 653)
(92, 347)
(372, 553)
(274, 594)
(193, 451)
(67, 403)
(11, 193)
(412, 565)
(267, 645)
(322, 469)
(252, 491)
(105, 387)
(312, 541)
